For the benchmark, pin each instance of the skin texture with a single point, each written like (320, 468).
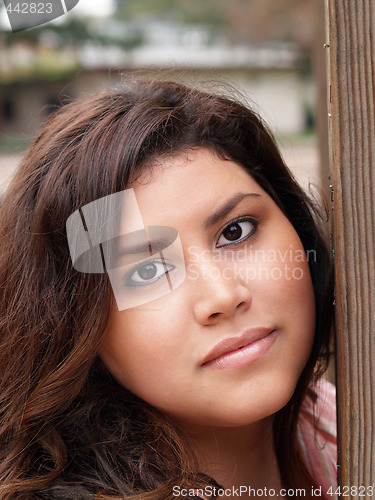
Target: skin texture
(156, 350)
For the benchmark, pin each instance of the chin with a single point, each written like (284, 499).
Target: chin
(255, 410)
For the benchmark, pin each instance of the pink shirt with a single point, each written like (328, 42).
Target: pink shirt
(318, 442)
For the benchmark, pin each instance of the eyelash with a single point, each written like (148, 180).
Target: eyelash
(128, 278)
(250, 220)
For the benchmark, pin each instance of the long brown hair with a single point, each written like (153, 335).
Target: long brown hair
(67, 429)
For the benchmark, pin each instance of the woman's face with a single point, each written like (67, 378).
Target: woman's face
(225, 348)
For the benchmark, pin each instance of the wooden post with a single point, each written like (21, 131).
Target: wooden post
(320, 78)
(352, 144)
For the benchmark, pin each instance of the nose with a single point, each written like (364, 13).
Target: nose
(218, 294)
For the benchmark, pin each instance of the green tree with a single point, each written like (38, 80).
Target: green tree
(241, 20)
(208, 12)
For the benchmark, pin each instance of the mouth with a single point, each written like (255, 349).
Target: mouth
(233, 352)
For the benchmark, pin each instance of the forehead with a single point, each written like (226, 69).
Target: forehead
(189, 184)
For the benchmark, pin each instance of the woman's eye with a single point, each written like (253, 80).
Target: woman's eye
(148, 272)
(236, 232)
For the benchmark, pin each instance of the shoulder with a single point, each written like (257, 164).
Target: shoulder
(317, 435)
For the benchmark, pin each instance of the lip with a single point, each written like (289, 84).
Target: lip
(237, 351)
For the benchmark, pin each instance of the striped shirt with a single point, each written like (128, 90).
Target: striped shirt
(316, 434)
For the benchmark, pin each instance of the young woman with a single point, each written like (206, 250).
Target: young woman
(178, 350)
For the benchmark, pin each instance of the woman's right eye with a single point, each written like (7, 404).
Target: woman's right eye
(148, 272)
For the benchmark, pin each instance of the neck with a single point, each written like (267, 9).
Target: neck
(238, 457)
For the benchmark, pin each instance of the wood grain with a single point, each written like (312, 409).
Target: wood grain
(352, 145)
(320, 80)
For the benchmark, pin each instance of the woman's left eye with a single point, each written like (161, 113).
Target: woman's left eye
(148, 273)
(236, 232)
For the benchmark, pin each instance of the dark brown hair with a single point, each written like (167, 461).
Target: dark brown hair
(67, 429)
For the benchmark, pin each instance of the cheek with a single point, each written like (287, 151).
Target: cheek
(278, 270)
(279, 279)
(298, 302)
(140, 349)
(294, 299)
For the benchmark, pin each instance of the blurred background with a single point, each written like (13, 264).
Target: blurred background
(271, 51)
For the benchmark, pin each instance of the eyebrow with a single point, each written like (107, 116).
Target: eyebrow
(150, 247)
(229, 205)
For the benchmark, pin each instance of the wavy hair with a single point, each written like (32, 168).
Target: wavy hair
(67, 428)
